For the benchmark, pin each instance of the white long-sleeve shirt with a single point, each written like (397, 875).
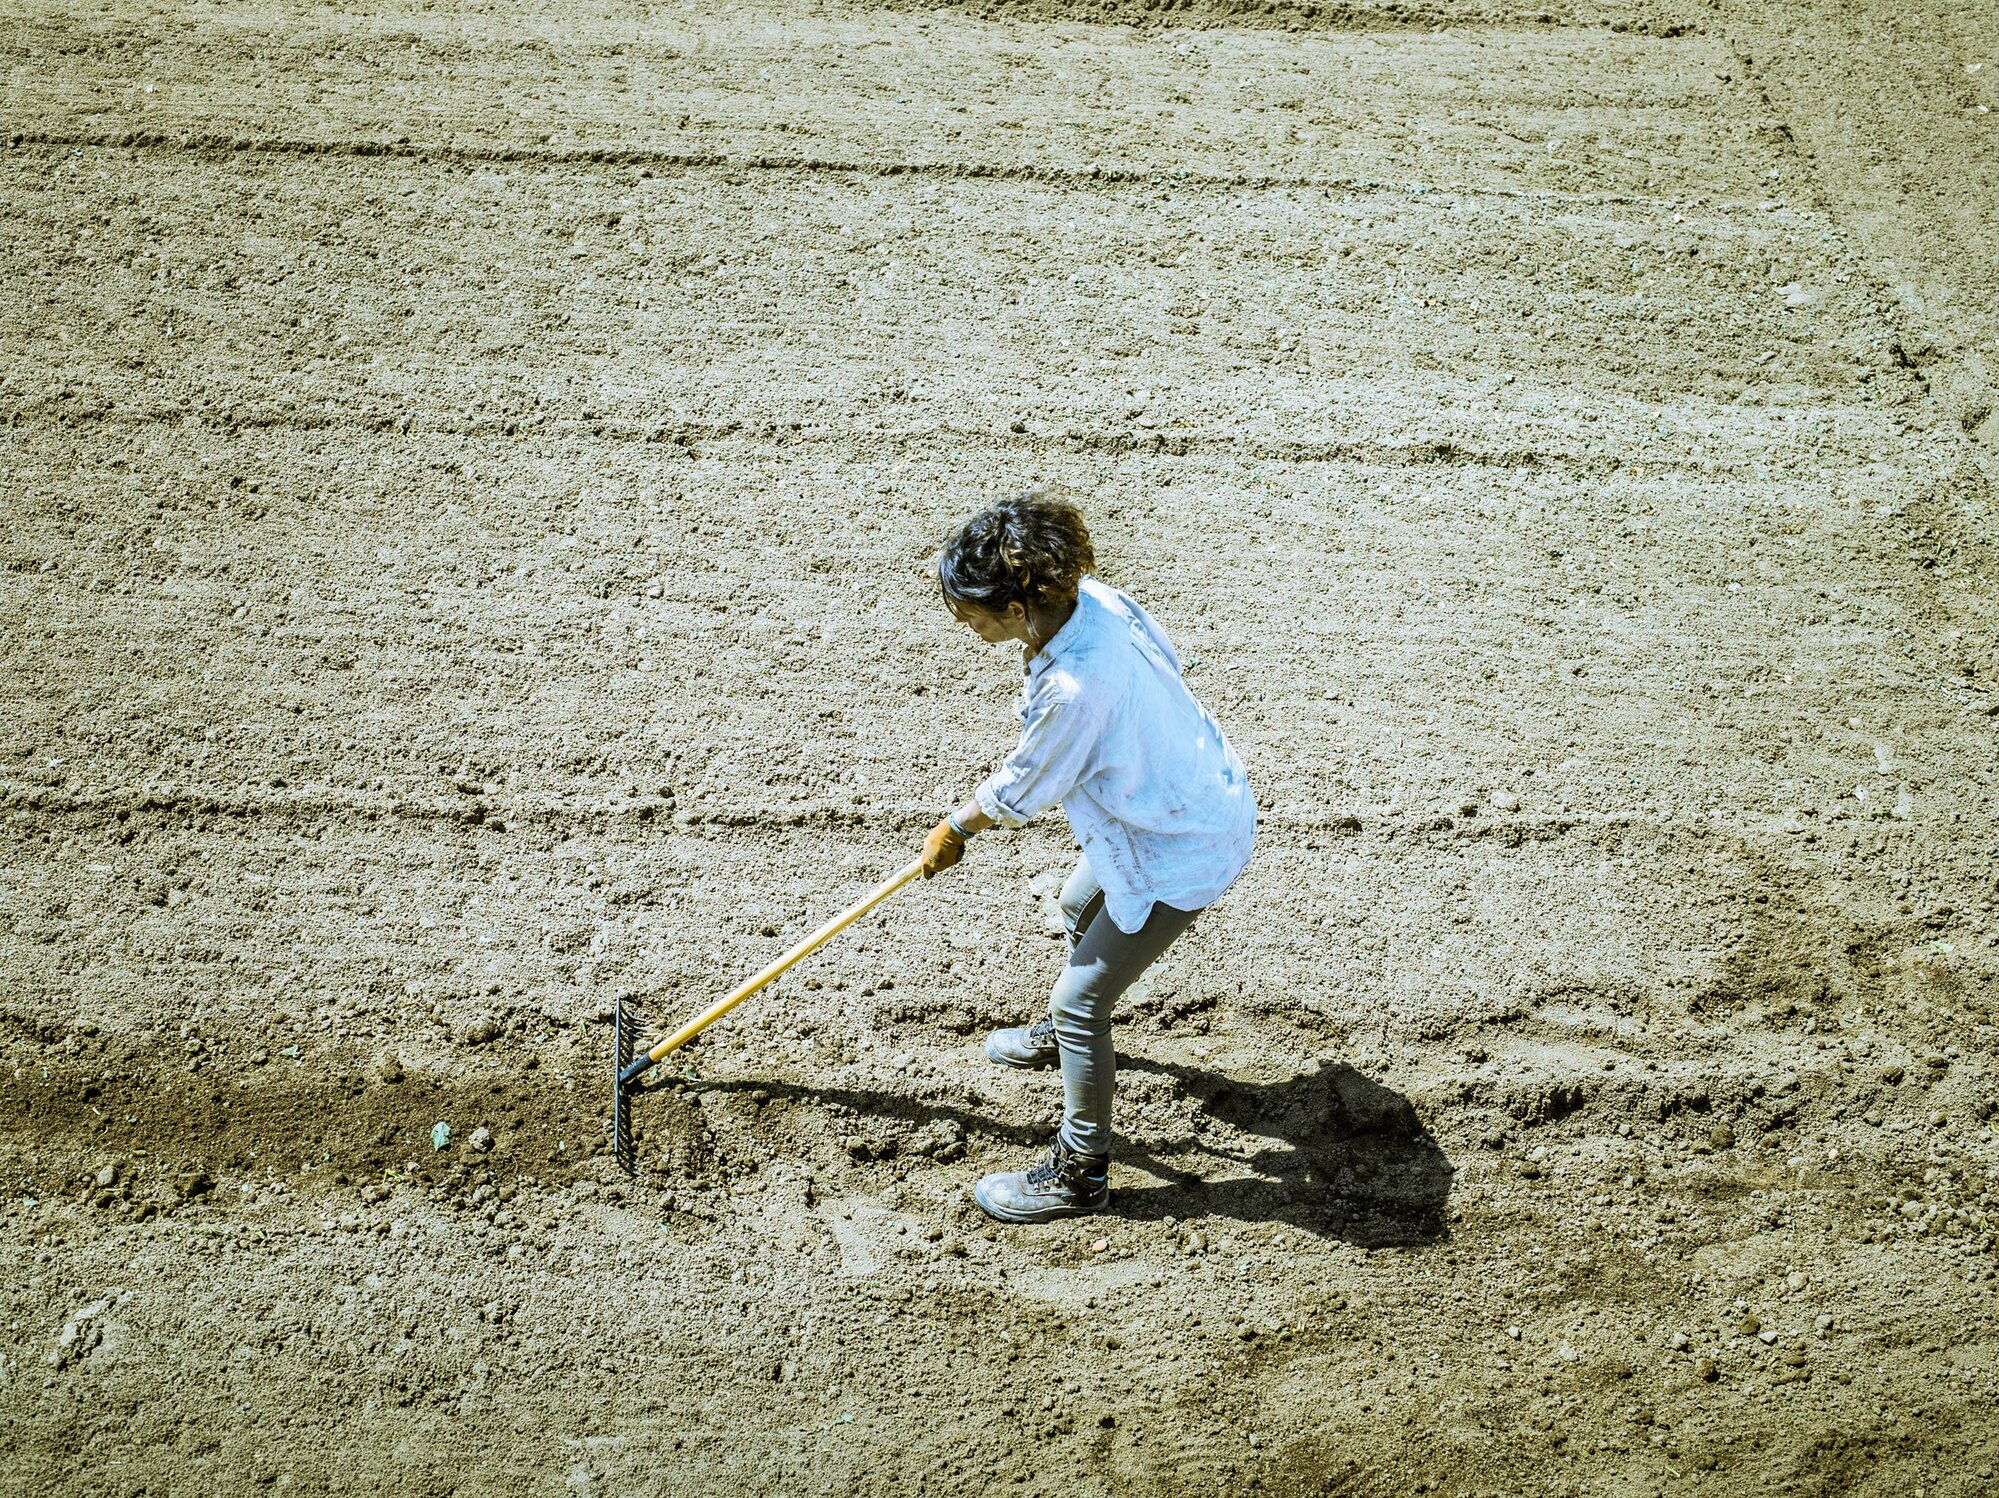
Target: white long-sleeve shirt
(1153, 792)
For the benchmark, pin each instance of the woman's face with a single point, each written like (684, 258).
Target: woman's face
(994, 629)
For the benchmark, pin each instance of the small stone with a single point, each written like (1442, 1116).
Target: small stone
(108, 1176)
(482, 1139)
(1706, 1370)
(1721, 1136)
(1505, 801)
(1679, 1342)
(1749, 1326)
(480, 1031)
(440, 1135)
(1767, 1336)
(1796, 1280)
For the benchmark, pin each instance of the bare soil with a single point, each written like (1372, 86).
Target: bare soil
(468, 475)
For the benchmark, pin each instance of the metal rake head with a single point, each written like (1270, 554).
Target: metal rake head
(628, 1029)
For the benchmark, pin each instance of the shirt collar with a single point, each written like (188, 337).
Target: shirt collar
(1064, 639)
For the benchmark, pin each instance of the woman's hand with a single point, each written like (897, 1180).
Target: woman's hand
(941, 849)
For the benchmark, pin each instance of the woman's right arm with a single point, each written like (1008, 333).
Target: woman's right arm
(1056, 751)
(1054, 754)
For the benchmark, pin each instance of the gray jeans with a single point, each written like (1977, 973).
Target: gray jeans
(1103, 963)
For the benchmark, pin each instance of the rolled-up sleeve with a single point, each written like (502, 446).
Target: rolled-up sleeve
(1056, 750)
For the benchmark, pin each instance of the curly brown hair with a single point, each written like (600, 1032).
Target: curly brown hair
(1032, 551)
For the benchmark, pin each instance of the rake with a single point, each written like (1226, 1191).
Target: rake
(631, 1064)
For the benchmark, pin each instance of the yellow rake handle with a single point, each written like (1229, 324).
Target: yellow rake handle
(798, 953)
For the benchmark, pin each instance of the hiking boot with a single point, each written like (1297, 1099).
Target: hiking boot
(1027, 1046)
(1066, 1184)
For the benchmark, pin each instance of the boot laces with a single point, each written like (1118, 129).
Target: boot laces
(1063, 1167)
(1041, 1032)
(1050, 1171)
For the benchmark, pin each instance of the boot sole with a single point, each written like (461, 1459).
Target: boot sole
(1046, 1214)
(1040, 1063)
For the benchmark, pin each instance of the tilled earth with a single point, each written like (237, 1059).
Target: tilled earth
(468, 478)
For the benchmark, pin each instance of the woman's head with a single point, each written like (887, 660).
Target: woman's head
(1014, 564)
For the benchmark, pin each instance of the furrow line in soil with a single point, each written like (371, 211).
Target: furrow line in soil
(112, 807)
(654, 158)
(686, 434)
(1317, 16)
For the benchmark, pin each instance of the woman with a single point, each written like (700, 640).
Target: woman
(1153, 792)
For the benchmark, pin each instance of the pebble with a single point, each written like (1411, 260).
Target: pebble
(1796, 1280)
(108, 1176)
(1505, 801)
(482, 1139)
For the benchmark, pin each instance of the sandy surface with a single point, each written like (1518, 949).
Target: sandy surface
(467, 476)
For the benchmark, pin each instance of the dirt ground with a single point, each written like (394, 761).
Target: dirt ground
(467, 476)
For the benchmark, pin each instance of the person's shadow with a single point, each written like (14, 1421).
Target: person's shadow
(1335, 1152)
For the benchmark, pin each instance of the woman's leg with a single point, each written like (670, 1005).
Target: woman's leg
(1103, 963)
(1082, 900)
(1034, 1045)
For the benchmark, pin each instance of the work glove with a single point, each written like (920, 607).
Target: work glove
(941, 849)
